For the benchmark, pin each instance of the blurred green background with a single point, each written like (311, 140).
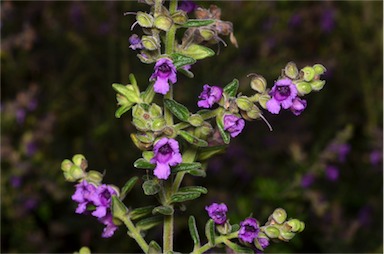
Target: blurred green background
(59, 59)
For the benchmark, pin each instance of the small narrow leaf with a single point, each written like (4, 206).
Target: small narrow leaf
(200, 189)
(165, 210)
(231, 88)
(179, 197)
(197, 52)
(207, 152)
(180, 60)
(187, 73)
(149, 223)
(179, 110)
(134, 83)
(192, 139)
(119, 210)
(122, 109)
(140, 212)
(143, 164)
(148, 94)
(198, 22)
(128, 187)
(225, 135)
(187, 166)
(193, 231)
(151, 187)
(197, 172)
(210, 232)
(154, 248)
(237, 248)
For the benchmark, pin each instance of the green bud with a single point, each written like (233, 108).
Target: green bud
(94, 177)
(163, 22)
(144, 19)
(146, 137)
(155, 110)
(319, 69)
(252, 114)
(303, 87)
(258, 83)
(150, 42)
(66, 165)
(84, 250)
(122, 100)
(148, 155)
(294, 224)
(137, 111)
(244, 103)
(291, 70)
(308, 73)
(204, 130)
(272, 231)
(141, 125)
(302, 226)
(142, 146)
(263, 99)
(169, 131)
(279, 215)
(158, 124)
(224, 229)
(76, 172)
(317, 85)
(207, 34)
(179, 17)
(195, 120)
(80, 161)
(286, 236)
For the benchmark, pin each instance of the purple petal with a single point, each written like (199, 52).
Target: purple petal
(162, 171)
(161, 86)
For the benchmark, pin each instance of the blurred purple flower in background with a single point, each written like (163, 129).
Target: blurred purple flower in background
(307, 180)
(375, 157)
(187, 6)
(327, 22)
(332, 173)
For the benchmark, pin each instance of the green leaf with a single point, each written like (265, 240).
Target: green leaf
(143, 164)
(193, 231)
(237, 248)
(225, 135)
(148, 155)
(119, 210)
(180, 60)
(197, 52)
(187, 73)
(210, 232)
(165, 210)
(179, 110)
(235, 227)
(133, 81)
(200, 189)
(127, 91)
(149, 223)
(140, 212)
(154, 248)
(151, 187)
(179, 197)
(121, 110)
(207, 152)
(192, 139)
(186, 166)
(148, 94)
(128, 187)
(231, 88)
(197, 172)
(198, 22)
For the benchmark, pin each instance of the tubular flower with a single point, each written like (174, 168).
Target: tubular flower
(166, 154)
(83, 195)
(102, 200)
(233, 124)
(283, 93)
(217, 212)
(298, 106)
(164, 71)
(209, 96)
(249, 229)
(135, 42)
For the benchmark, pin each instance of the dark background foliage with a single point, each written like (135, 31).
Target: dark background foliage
(59, 59)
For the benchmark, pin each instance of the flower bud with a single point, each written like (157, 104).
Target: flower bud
(141, 125)
(319, 69)
(291, 70)
(144, 19)
(279, 215)
(146, 137)
(317, 85)
(76, 172)
(66, 165)
(142, 146)
(224, 229)
(303, 87)
(195, 120)
(80, 161)
(308, 73)
(204, 130)
(84, 250)
(163, 22)
(286, 236)
(207, 34)
(272, 231)
(258, 83)
(150, 42)
(179, 17)
(263, 99)
(302, 226)
(137, 111)
(244, 103)
(294, 224)
(158, 124)
(252, 114)
(155, 110)
(94, 177)
(169, 131)
(122, 100)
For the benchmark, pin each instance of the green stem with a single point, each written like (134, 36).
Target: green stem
(171, 34)
(167, 113)
(188, 156)
(218, 240)
(135, 234)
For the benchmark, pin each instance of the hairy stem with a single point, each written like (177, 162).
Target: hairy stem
(135, 234)
(218, 240)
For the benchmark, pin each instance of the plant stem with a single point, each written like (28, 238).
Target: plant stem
(188, 156)
(170, 37)
(218, 240)
(135, 234)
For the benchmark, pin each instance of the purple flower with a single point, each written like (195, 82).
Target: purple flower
(217, 212)
(332, 173)
(16, 181)
(327, 20)
(341, 149)
(164, 71)
(83, 195)
(307, 180)
(209, 96)
(166, 154)
(20, 116)
(375, 157)
(187, 6)
(283, 93)
(233, 124)
(135, 42)
(263, 241)
(110, 227)
(249, 229)
(298, 106)
(102, 200)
